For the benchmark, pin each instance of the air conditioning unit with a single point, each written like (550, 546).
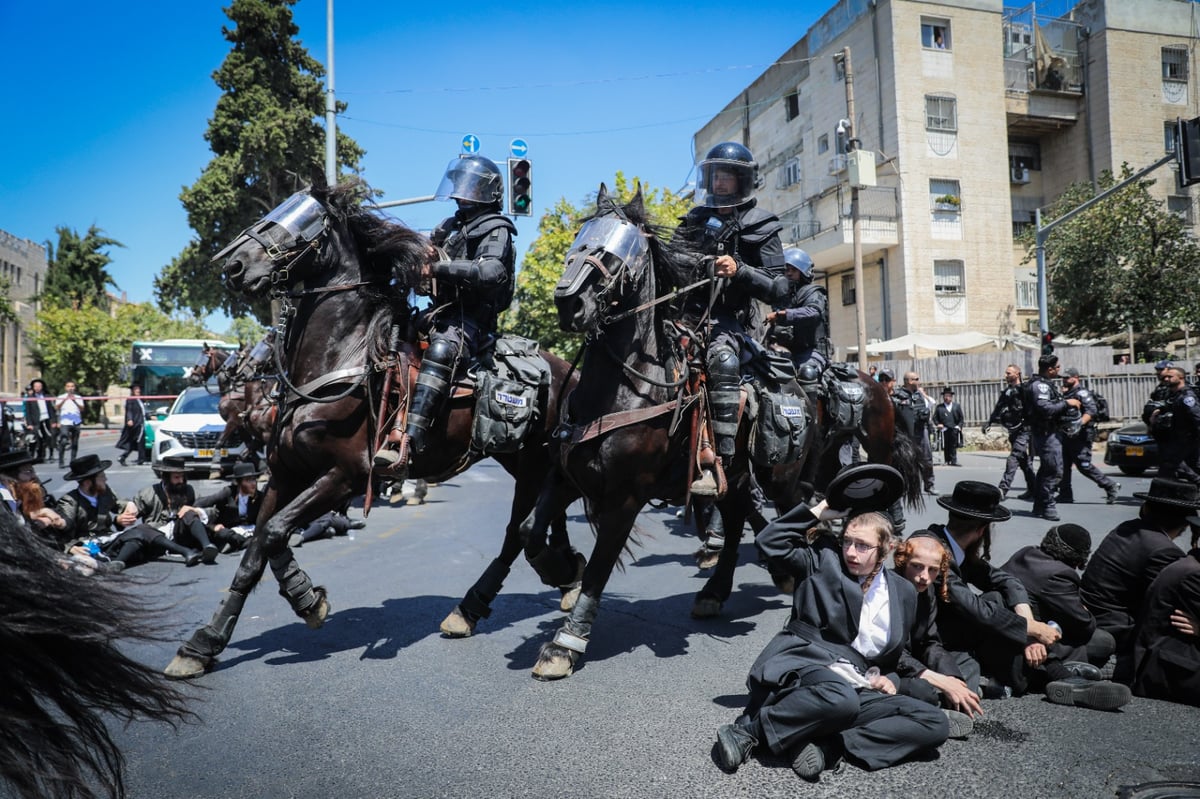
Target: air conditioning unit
(1020, 174)
(837, 164)
(1031, 326)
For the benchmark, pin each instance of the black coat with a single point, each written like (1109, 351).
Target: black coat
(925, 649)
(1121, 569)
(948, 417)
(222, 505)
(131, 439)
(33, 410)
(1053, 588)
(1167, 664)
(968, 617)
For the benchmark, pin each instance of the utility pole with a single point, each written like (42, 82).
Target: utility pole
(860, 294)
(331, 171)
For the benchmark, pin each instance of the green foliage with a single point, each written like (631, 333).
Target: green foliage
(77, 270)
(268, 141)
(8, 312)
(533, 313)
(90, 345)
(244, 331)
(1126, 260)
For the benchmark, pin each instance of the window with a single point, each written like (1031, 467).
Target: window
(1181, 205)
(945, 196)
(935, 33)
(1169, 137)
(941, 113)
(823, 144)
(1024, 155)
(789, 174)
(791, 104)
(948, 278)
(848, 294)
(1175, 63)
(1027, 295)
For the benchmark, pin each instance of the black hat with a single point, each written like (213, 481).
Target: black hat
(1173, 493)
(947, 390)
(170, 464)
(15, 458)
(244, 469)
(1072, 372)
(865, 488)
(884, 374)
(86, 466)
(976, 500)
(1069, 543)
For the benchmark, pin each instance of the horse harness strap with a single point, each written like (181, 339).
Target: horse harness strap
(332, 378)
(577, 434)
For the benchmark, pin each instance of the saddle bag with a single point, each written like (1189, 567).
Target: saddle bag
(846, 398)
(509, 396)
(780, 424)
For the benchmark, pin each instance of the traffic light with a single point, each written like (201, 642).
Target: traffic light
(1047, 343)
(520, 176)
(1187, 150)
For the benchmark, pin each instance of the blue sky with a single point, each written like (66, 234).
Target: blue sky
(115, 99)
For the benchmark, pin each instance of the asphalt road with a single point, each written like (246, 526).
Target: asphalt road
(378, 704)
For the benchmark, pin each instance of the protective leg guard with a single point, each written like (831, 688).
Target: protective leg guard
(477, 604)
(294, 584)
(555, 567)
(725, 409)
(433, 384)
(211, 639)
(578, 627)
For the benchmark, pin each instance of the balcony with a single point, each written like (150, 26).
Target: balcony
(822, 225)
(1043, 72)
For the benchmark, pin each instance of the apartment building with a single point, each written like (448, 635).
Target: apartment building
(977, 114)
(23, 264)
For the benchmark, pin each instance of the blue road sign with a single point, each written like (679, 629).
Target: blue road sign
(518, 147)
(470, 143)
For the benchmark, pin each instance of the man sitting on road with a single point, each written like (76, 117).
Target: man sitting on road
(168, 506)
(1067, 670)
(233, 508)
(1166, 651)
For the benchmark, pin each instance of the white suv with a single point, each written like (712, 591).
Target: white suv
(192, 429)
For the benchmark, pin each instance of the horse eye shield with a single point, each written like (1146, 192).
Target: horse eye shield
(301, 218)
(599, 242)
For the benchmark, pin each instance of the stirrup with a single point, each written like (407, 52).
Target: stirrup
(389, 463)
(706, 484)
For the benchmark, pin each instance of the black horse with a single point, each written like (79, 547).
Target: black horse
(631, 429)
(343, 272)
(62, 635)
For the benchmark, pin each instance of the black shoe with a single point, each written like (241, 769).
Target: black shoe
(121, 460)
(1050, 515)
(193, 558)
(1079, 692)
(1065, 499)
(734, 745)
(1027, 496)
(1110, 493)
(1085, 671)
(1003, 493)
(209, 553)
(992, 689)
(813, 758)
(357, 524)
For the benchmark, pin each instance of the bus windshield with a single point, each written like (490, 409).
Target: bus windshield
(163, 367)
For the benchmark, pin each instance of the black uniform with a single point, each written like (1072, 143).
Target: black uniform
(1179, 446)
(804, 330)
(913, 419)
(1046, 411)
(1077, 449)
(1010, 412)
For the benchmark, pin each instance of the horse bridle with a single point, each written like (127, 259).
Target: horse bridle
(289, 234)
(618, 239)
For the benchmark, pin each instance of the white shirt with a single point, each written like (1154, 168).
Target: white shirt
(875, 620)
(70, 411)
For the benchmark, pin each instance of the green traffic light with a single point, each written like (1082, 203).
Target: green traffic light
(521, 202)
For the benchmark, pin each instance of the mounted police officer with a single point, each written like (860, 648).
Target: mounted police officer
(801, 322)
(1010, 412)
(472, 284)
(747, 260)
(1178, 422)
(1047, 413)
(1077, 443)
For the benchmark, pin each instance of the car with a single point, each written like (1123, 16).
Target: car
(191, 431)
(1132, 449)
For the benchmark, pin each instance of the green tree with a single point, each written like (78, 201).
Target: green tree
(245, 330)
(77, 270)
(267, 141)
(1126, 260)
(533, 313)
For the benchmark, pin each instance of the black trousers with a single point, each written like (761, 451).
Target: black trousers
(1019, 457)
(68, 436)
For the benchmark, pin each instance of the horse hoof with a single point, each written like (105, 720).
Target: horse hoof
(186, 668)
(706, 558)
(705, 607)
(414, 501)
(456, 625)
(554, 663)
(570, 596)
(315, 618)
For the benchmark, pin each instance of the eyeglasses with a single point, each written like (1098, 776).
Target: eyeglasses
(861, 547)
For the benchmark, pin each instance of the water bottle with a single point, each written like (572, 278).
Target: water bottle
(92, 547)
(1054, 626)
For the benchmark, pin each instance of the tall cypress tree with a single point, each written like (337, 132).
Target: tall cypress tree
(268, 141)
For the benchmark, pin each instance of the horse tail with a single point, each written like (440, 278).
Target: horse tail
(64, 672)
(906, 461)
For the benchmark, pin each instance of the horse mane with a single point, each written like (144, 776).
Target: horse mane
(64, 672)
(390, 255)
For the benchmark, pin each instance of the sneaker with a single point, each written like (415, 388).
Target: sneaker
(960, 723)
(734, 745)
(1111, 493)
(1103, 695)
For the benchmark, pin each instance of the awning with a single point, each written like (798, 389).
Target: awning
(966, 342)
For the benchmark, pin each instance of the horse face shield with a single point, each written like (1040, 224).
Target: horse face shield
(291, 230)
(608, 249)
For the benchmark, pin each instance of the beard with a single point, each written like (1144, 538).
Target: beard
(177, 494)
(29, 493)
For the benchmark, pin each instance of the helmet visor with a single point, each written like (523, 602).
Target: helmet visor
(722, 183)
(300, 215)
(622, 240)
(467, 179)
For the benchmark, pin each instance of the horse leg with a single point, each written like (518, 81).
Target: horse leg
(558, 658)
(554, 560)
(733, 510)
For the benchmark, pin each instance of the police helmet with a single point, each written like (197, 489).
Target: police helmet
(799, 260)
(472, 178)
(725, 160)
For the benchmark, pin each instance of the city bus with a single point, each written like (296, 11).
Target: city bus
(163, 367)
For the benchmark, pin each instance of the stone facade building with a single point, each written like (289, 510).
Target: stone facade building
(23, 264)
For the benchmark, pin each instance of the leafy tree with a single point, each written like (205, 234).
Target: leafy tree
(77, 270)
(533, 313)
(1126, 260)
(267, 142)
(245, 330)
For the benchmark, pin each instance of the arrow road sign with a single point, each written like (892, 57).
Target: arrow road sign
(470, 143)
(519, 148)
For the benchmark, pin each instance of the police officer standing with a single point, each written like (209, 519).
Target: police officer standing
(1046, 411)
(913, 418)
(1179, 420)
(801, 323)
(472, 284)
(1077, 442)
(747, 260)
(1010, 412)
